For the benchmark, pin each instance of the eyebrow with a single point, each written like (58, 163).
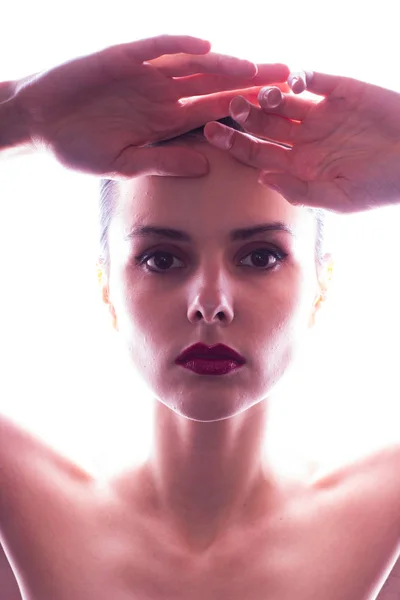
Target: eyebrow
(234, 235)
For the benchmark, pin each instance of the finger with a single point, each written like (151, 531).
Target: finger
(179, 65)
(293, 107)
(197, 85)
(150, 48)
(200, 85)
(316, 194)
(272, 73)
(252, 152)
(255, 121)
(221, 64)
(168, 161)
(318, 83)
(211, 107)
(283, 87)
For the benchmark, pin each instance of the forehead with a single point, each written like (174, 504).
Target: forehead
(228, 197)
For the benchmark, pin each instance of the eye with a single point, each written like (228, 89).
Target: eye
(262, 255)
(163, 260)
(162, 263)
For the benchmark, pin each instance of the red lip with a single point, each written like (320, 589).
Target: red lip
(218, 352)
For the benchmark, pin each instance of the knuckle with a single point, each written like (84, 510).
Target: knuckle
(253, 150)
(292, 131)
(194, 64)
(216, 59)
(265, 125)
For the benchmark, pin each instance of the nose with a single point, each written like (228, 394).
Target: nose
(211, 310)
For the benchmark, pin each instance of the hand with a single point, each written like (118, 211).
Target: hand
(94, 113)
(342, 151)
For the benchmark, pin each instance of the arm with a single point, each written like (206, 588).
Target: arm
(14, 132)
(6, 90)
(98, 114)
(8, 584)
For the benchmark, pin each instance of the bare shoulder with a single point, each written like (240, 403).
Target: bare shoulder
(25, 462)
(39, 487)
(374, 479)
(16, 441)
(382, 463)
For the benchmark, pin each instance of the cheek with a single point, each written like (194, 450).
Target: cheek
(280, 300)
(144, 318)
(281, 318)
(128, 302)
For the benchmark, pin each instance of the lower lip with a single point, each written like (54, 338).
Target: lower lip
(202, 366)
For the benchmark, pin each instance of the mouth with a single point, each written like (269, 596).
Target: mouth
(217, 352)
(211, 366)
(209, 360)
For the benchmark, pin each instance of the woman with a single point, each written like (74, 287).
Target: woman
(206, 515)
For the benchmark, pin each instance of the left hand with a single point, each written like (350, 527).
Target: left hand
(98, 113)
(342, 151)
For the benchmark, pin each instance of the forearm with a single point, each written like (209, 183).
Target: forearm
(14, 132)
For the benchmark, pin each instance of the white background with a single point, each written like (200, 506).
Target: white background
(62, 373)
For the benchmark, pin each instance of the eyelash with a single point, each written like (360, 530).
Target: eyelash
(140, 260)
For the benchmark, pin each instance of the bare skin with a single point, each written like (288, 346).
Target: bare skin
(342, 142)
(334, 536)
(95, 114)
(324, 535)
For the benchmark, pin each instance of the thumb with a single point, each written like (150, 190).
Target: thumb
(295, 191)
(163, 160)
(316, 194)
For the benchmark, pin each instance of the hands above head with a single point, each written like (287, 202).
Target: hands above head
(95, 113)
(340, 152)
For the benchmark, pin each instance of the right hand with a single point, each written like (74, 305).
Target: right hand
(338, 150)
(96, 112)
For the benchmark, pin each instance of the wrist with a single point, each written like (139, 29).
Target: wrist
(14, 130)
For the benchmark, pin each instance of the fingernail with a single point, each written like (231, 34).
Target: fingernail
(242, 68)
(264, 181)
(249, 68)
(297, 83)
(199, 166)
(272, 97)
(240, 109)
(272, 186)
(222, 137)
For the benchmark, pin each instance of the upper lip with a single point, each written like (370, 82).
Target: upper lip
(220, 351)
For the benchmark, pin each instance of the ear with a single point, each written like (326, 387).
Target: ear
(104, 287)
(324, 279)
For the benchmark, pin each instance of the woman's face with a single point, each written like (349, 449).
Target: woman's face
(212, 289)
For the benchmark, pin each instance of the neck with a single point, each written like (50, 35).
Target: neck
(205, 480)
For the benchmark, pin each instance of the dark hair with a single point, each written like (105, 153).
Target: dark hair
(109, 198)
